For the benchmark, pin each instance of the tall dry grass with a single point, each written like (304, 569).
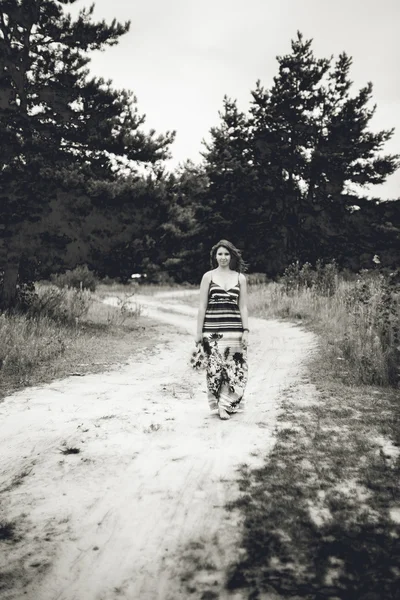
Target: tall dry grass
(26, 343)
(41, 333)
(358, 324)
(56, 320)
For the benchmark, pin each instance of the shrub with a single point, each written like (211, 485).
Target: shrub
(256, 278)
(326, 277)
(323, 278)
(60, 305)
(373, 308)
(127, 309)
(80, 278)
(110, 280)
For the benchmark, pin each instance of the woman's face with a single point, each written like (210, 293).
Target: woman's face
(223, 256)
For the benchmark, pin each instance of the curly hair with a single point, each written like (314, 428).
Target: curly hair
(236, 263)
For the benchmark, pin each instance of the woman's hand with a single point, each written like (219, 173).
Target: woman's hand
(198, 339)
(245, 339)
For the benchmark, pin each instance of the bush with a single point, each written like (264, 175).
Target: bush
(110, 280)
(326, 277)
(61, 305)
(256, 278)
(296, 278)
(322, 278)
(373, 307)
(80, 278)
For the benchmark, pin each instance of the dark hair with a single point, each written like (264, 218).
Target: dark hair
(236, 263)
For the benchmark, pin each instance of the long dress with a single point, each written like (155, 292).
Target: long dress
(226, 359)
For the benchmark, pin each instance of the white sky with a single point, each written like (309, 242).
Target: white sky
(181, 56)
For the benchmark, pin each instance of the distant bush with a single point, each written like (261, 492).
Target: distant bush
(256, 278)
(322, 277)
(110, 280)
(326, 277)
(61, 305)
(81, 278)
(161, 278)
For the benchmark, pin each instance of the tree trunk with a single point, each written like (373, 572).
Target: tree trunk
(8, 291)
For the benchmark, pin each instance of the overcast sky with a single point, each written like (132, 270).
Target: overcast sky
(181, 56)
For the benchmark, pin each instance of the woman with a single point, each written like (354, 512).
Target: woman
(222, 328)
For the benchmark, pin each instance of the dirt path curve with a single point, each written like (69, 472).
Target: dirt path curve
(139, 512)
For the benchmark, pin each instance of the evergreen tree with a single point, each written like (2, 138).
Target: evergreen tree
(131, 210)
(228, 211)
(279, 177)
(372, 228)
(312, 137)
(282, 130)
(55, 121)
(182, 241)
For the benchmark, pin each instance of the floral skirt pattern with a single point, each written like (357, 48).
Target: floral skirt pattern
(227, 369)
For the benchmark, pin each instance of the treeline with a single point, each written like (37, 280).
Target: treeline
(82, 182)
(278, 179)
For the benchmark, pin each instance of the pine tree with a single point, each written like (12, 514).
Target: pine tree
(184, 251)
(311, 138)
(56, 121)
(228, 212)
(281, 138)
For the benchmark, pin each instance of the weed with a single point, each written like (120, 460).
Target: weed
(69, 450)
(7, 531)
(16, 481)
(152, 428)
(126, 308)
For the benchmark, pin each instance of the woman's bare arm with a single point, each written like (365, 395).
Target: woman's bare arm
(205, 284)
(243, 302)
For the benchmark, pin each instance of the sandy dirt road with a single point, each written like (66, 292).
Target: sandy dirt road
(139, 512)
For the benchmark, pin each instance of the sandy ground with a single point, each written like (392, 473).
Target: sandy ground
(138, 512)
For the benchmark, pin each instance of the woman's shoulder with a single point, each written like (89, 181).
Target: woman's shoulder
(207, 276)
(242, 278)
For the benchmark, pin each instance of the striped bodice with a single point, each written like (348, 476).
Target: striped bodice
(222, 312)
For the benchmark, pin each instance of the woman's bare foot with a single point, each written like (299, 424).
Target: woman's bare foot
(223, 414)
